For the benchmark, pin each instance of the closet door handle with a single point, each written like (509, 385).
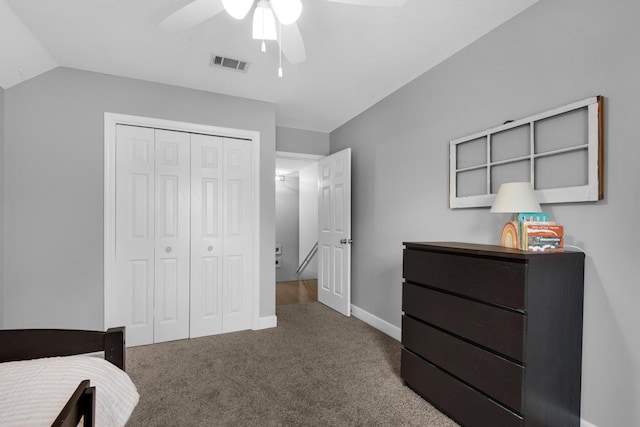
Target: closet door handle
(168, 249)
(209, 248)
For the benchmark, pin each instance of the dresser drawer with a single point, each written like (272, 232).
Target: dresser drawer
(492, 374)
(499, 330)
(495, 281)
(466, 405)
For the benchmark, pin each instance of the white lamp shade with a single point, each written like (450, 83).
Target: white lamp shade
(264, 23)
(516, 197)
(287, 11)
(237, 8)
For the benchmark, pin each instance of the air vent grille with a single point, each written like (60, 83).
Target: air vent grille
(219, 61)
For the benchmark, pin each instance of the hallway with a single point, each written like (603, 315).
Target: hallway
(296, 292)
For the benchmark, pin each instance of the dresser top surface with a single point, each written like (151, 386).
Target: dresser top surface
(484, 250)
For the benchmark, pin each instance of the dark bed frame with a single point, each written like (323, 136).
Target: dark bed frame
(24, 344)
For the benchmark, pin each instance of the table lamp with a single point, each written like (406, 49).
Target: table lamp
(514, 197)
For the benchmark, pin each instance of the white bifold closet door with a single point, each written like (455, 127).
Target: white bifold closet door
(206, 235)
(183, 234)
(172, 200)
(221, 215)
(133, 289)
(152, 234)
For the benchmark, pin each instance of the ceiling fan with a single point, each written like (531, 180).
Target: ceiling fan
(264, 24)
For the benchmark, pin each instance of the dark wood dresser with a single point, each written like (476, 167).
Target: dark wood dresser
(493, 336)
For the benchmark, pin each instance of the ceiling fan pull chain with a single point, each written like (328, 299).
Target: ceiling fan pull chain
(280, 45)
(263, 47)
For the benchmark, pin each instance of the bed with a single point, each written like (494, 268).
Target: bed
(56, 377)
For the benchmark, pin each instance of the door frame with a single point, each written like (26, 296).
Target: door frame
(110, 122)
(311, 158)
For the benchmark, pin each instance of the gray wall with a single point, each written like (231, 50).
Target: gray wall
(287, 227)
(302, 141)
(308, 226)
(552, 54)
(54, 155)
(1, 208)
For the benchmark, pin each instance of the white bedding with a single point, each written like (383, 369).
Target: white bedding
(33, 392)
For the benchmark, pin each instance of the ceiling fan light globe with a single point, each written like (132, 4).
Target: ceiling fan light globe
(264, 23)
(237, 8)
(287, 11)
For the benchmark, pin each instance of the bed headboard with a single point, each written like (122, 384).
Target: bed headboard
(21, 344)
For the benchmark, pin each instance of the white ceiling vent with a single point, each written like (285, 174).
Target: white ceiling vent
(228, 63)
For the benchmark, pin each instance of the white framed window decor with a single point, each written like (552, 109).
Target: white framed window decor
(560, 151)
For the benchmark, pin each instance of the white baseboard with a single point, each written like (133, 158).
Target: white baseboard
(585, 423)
(266, 323)
(381, 325)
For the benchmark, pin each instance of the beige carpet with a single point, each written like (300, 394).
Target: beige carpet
(316, 368)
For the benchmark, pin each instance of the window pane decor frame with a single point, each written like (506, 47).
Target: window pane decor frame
(522, 150)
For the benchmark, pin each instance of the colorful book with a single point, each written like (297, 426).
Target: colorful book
(533, 216)
(522, 232)
(542, 237)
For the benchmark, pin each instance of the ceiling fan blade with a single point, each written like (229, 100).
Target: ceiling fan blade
(372, 2)
(291, 44)
(192, 14)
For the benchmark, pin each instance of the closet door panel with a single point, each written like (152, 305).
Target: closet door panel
(133, 287)
(206, 235)
(172, 234)
(237, 229)
(234, 285)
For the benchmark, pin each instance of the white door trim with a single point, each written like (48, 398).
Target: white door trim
(110, 122)
(298, 156)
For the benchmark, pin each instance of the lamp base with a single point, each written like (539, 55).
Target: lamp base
(509, 237)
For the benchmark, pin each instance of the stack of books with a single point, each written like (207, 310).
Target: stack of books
(533, 232)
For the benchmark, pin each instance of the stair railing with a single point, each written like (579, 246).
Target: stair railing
(307, 259)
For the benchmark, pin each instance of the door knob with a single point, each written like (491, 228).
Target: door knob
(168, 249)
(345, 241)
(209, 248)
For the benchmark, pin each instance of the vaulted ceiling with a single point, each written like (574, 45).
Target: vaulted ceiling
(356, 55)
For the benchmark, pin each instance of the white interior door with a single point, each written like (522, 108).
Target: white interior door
(172, 205)
(238, 231)
(133, 285)
(334, 231)
(206, 235)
